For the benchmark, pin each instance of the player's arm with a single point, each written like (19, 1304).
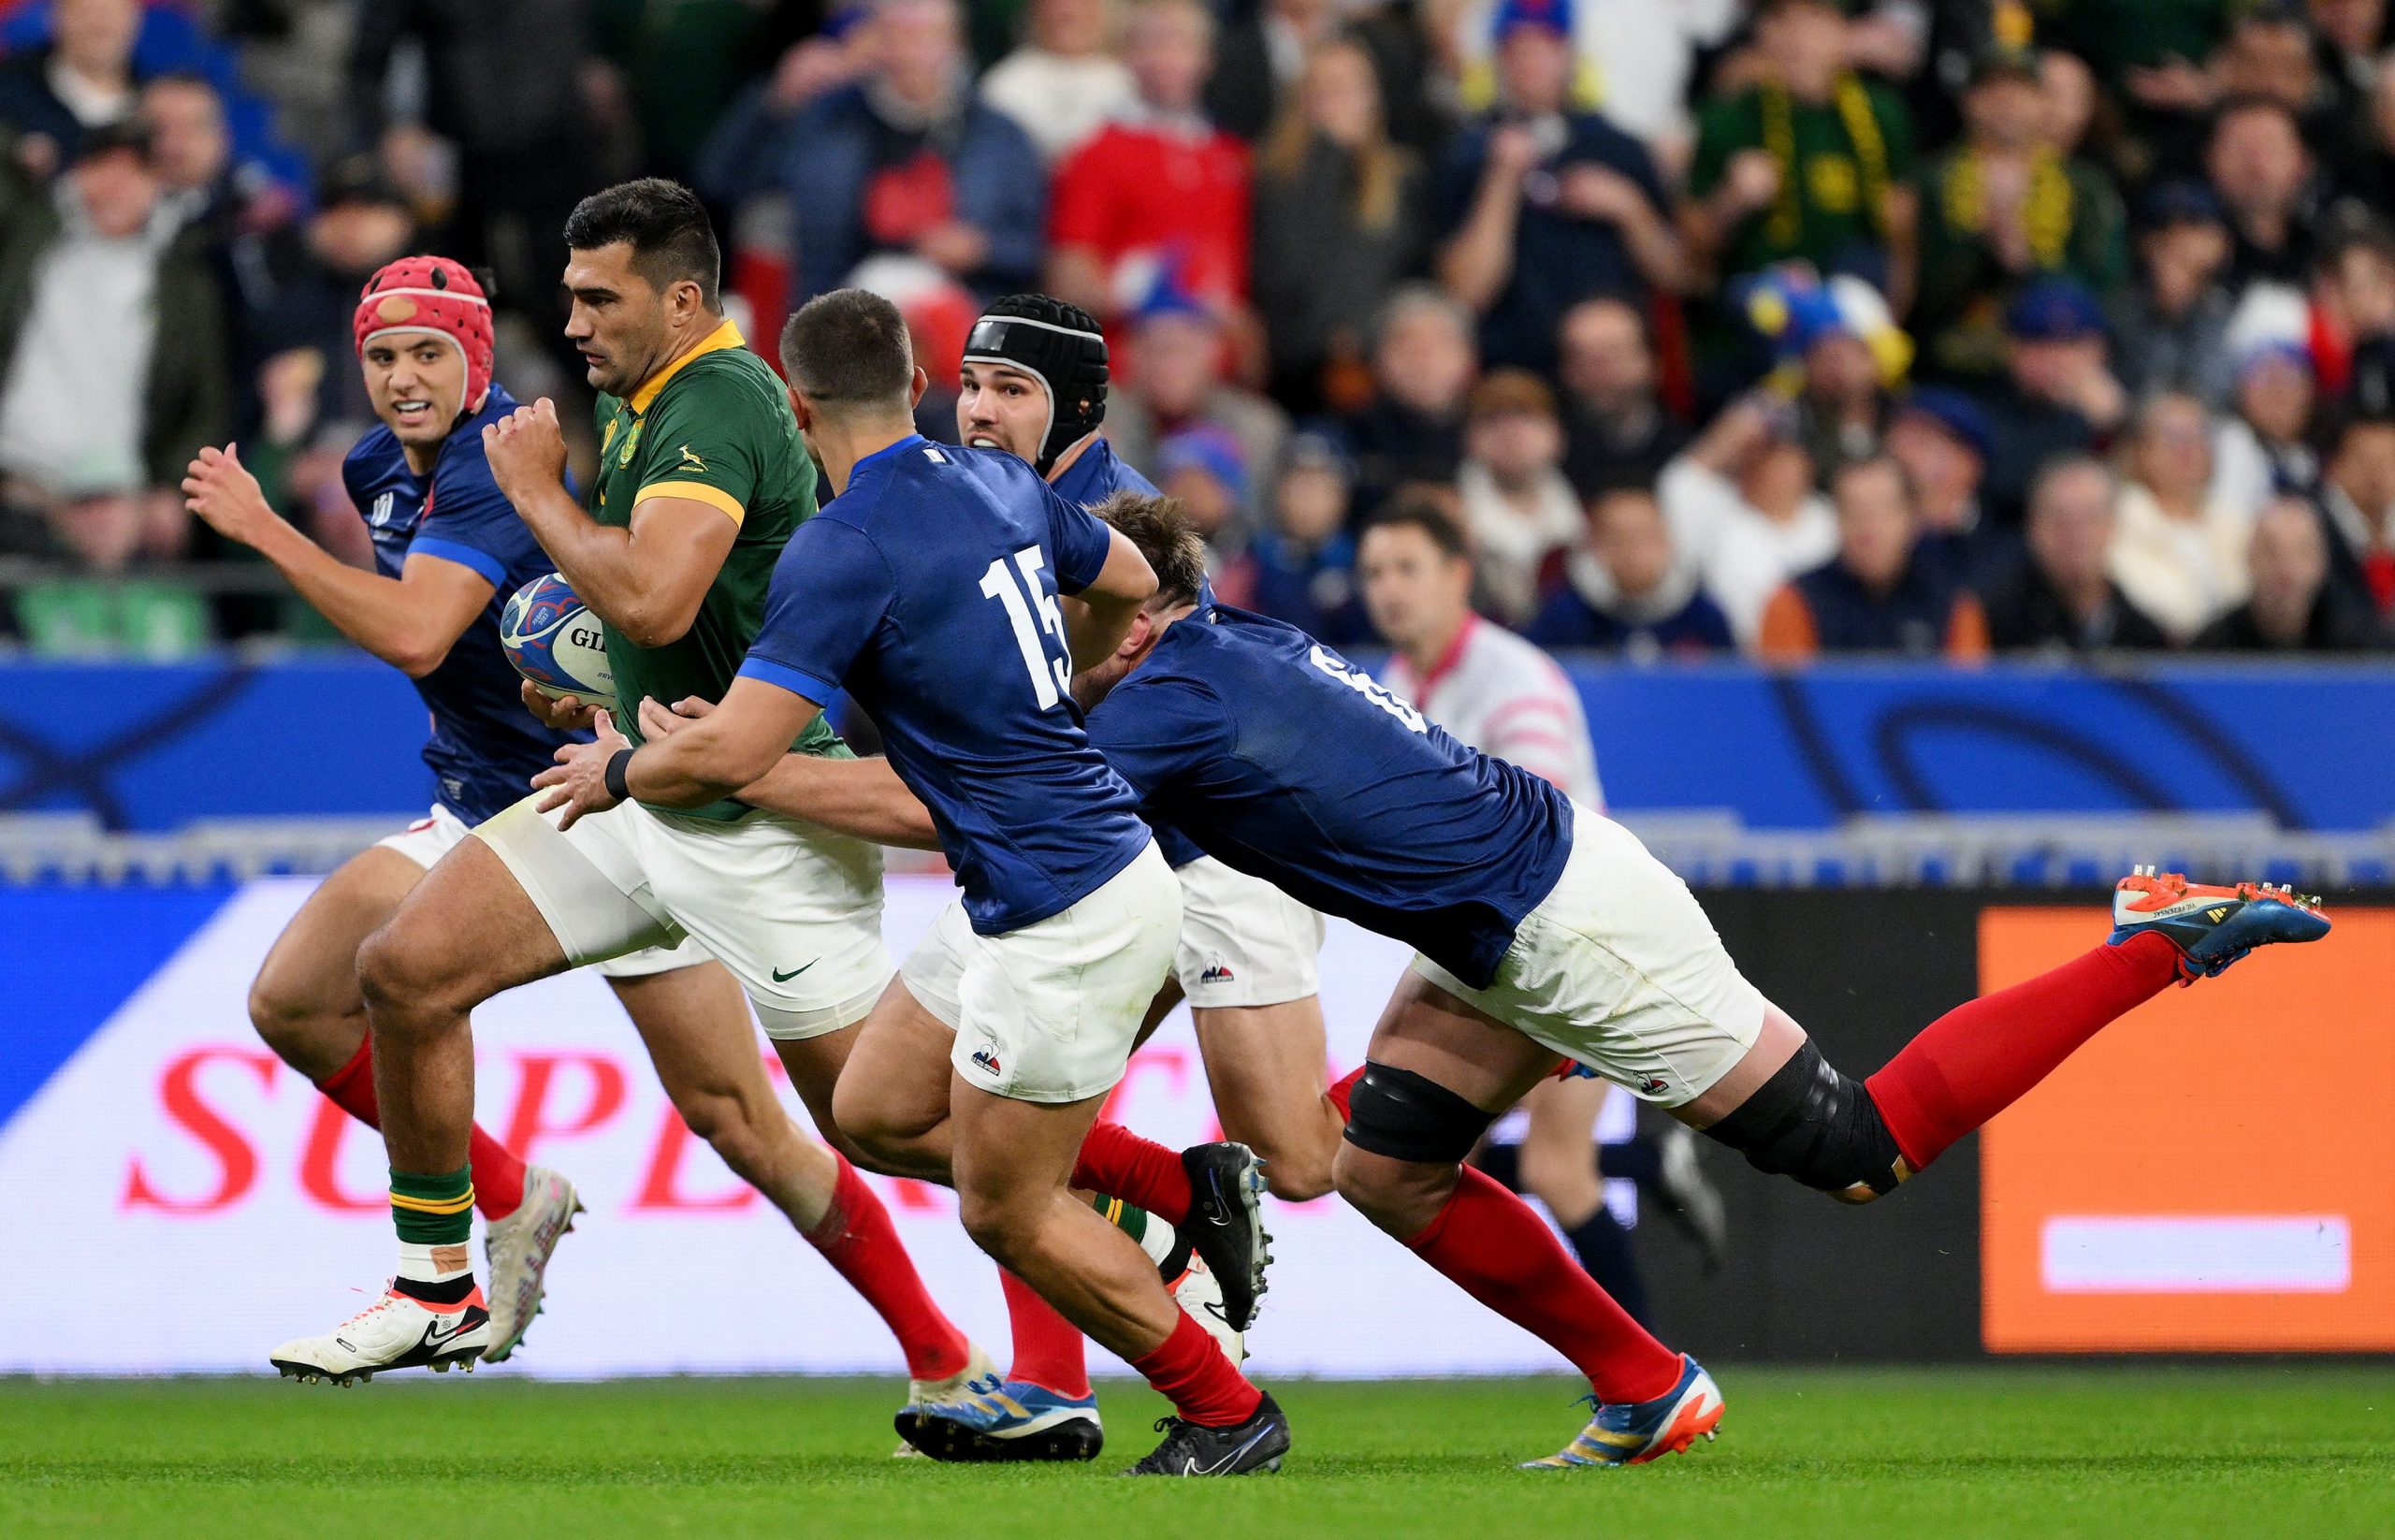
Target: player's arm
(1096, 564)
(647, 579)
(830, 590)
(863, 798)
(408, 621)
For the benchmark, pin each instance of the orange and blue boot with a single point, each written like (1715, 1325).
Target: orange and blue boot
(1635, 1433)
(2212, 926)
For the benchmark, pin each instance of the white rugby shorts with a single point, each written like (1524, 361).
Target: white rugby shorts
(1619, 968)
(1243, 941)
(1049, 1012)
(794, 911)
(434, 835)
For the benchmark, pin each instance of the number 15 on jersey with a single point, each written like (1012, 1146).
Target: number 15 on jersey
(1050, 676)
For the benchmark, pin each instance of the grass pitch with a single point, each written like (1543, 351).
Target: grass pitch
(2305, 1452)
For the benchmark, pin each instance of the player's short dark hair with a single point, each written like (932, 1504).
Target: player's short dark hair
(1427, 516)
(664, 224)
(849, 348)
(1159, 526)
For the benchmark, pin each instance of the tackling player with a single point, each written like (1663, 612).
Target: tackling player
(448, 551)
(929, 589)
(1544, 930)
(1035, 377)
(702, 480)
(1504, 696)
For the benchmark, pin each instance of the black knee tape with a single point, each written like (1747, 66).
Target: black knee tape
(1397, 1113)
(1813, 1124)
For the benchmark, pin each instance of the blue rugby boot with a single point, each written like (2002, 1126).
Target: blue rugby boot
(1017, 1420)
(2212, 926)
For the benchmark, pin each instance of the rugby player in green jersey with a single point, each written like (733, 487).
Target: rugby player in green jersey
(702, 479)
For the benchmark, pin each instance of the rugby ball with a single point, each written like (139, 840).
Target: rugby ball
(555, 642)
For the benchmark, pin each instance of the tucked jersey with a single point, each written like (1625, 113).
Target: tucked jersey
(1281, 758)
(713, 427)
(928, 591)
(485, 747)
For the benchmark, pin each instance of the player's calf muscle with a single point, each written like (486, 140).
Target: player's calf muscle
(1400, 1196)
(1264, 1064)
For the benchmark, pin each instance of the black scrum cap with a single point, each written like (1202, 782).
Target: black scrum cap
(1060, 344)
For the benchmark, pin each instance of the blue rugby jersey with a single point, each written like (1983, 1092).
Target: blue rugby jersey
(927, 589)
(1279, 758)
(1097, 474)
(485, 747)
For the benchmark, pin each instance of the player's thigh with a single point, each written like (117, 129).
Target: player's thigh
(794, 911)
(1558, 1149)
(814, 1065)
(1266, 1066)
(305, 999)
(1619, 969)
(584, 886)
(1012, 1156)
(1774, 1046)
(464, 932)
(893, 1089)
(1427, 1031)
(694, 1021)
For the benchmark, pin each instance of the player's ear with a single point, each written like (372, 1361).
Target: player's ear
(798, 406)
(915, 387)
(1136, 640)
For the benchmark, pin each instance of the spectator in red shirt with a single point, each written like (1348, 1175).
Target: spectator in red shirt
(1158, 190)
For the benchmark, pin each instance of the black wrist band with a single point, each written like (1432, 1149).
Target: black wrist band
(620, 764)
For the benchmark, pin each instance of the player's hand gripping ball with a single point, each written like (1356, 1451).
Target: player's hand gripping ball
(556, 644)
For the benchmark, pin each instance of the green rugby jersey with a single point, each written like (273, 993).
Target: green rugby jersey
(714, 427)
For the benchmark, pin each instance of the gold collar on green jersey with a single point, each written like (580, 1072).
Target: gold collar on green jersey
(725, 336)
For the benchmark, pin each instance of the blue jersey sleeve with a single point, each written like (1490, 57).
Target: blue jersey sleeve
(830, 592)
(1155, 731)
(1081, 540)
(469, 521)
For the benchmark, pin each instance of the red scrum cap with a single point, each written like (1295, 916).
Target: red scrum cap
(436, 295)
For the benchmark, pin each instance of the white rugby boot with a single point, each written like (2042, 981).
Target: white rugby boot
(396, 1332)
(519, 1248)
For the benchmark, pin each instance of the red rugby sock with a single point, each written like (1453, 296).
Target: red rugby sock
(497, 1175)
(1497, 1250)
(1190, 1371)
(1048, 1349)
(856, 1237)
(1340, 1090)
(1982, 1056)
(1119, 1163)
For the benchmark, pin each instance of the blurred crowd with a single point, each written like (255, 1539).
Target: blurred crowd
(1943, 328)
